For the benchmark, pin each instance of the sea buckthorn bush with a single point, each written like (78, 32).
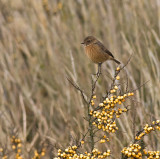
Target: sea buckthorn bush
(17, 152)
(40, 48)
(103, 117)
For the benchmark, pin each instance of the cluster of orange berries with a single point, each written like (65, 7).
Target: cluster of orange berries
(134, 151)
(3, 154)
(152, 154)
(16, 146)
(39, 155)
(157, 124)
(148, 128)
(105, 115)
(70, 153)
(104, 139)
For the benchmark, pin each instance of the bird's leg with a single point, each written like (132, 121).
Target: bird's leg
(99, 69)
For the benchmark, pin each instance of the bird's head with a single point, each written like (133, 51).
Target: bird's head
(89, 40)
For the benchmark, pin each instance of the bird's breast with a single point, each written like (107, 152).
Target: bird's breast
(96, 54)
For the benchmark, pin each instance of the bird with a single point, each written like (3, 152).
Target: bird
(97, 52)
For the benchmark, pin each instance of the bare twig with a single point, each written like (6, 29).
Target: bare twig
(94, 82)
(134, 90)
(94, 86)
(134, 120)
(90, 118)
(80, 90)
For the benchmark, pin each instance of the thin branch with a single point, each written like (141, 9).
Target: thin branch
(134, 121)
(139, 86)
(94, 86)
(94, 82)
(80, 90)
(79, 145)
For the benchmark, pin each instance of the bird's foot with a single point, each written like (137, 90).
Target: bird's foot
(97, 74)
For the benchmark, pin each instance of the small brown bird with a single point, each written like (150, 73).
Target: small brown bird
(97, 52)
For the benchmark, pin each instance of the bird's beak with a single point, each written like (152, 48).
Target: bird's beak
(82, 43)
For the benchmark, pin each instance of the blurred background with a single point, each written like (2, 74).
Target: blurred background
(40, 47)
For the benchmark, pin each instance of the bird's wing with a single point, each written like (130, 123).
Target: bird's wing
(103, 48)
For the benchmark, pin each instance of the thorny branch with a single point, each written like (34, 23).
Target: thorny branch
(89, 105)
(94, 82)
(78, 88)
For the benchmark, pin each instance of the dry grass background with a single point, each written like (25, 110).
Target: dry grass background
(40, 47)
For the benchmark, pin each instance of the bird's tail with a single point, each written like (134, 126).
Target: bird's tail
(116, 61)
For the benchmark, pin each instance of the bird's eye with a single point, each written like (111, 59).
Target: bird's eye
(89, 41)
